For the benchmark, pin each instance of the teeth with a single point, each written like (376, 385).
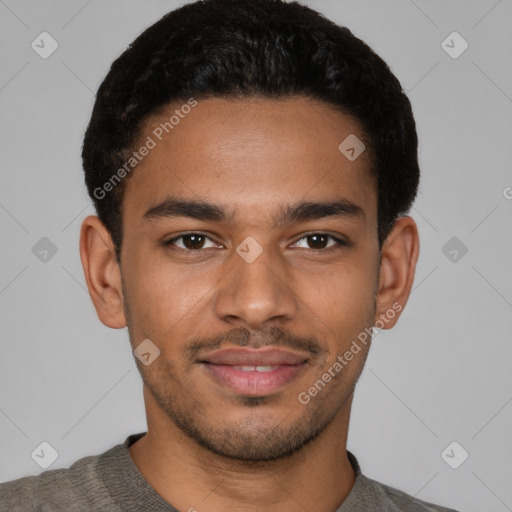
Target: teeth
(265, 368)
(255, 368)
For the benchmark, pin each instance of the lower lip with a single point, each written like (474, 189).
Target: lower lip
(254, 383)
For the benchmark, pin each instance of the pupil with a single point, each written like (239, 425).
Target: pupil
(316, 238)
(190, 240)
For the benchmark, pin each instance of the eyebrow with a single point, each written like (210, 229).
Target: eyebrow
(299, 212)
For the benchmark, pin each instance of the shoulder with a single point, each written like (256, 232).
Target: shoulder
(400, 501)
(64, 489)
(18, 495)
(372, 496)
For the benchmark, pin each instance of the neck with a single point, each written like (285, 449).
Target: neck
(190, 477)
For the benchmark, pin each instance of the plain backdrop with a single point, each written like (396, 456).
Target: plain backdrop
(442, 375)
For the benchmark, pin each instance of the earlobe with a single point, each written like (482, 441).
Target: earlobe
(102, 272)
(399, 255)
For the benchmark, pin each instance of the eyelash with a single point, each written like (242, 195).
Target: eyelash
(339, 242)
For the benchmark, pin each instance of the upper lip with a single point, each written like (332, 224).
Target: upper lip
(255, 357)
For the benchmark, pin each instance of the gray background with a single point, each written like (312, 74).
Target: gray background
(442, 374)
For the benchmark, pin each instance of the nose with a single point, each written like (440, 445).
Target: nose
(258, 294)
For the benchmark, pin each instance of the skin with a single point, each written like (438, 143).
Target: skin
(211, 449)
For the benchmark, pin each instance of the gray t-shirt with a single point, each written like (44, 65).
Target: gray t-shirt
(111, 482)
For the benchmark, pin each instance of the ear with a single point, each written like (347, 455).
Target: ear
(399, 255)
(102, 272)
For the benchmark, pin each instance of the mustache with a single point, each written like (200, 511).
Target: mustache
(242, 337)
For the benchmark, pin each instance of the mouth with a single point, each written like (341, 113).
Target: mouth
(252, 372)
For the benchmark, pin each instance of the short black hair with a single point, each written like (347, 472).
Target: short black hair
(250, 48)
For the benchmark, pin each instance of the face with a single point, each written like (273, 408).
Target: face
(252, 294)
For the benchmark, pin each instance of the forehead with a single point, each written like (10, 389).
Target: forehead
(251, 154)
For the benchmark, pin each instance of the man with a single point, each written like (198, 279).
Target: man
(251, 164)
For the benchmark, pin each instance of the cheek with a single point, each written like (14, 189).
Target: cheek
(342, 302)
(165, 295)
(342, 292)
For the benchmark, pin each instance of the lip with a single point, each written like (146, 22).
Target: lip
(268, 356)
(223, 367)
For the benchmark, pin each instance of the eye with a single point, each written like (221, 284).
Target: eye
(320, 241)
(191, 242)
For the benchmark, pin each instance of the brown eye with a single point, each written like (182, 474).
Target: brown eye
(190, 242)
(319, 241)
